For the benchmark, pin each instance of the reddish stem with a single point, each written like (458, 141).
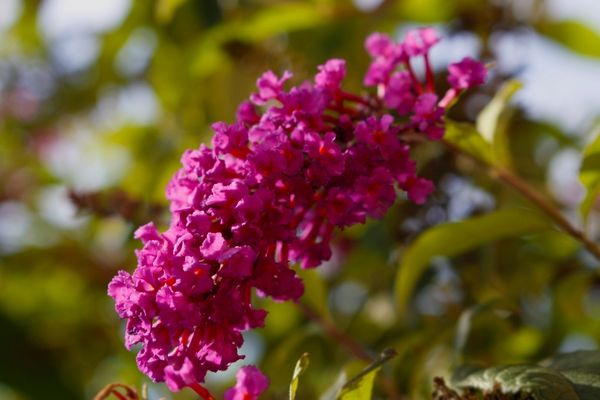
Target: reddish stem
(429, 74)
(201, 391)
(413, 77)
(354, 98)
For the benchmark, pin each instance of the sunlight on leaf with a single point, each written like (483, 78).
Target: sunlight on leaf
(467, 139)
(301, 366)
(493, 120)
(574, 35)
(361, 386)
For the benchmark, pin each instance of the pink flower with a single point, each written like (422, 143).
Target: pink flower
(331, 74)
(466, 74)
(269, 193)
(419, 41)
(250, 384)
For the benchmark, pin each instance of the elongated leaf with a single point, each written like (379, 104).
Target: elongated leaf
(487, 121)
(574, 35)
(458, 237)
(361, 386)
(589, 175)
(493, 119)
(301, 366)
(542, 383)
(467, 139)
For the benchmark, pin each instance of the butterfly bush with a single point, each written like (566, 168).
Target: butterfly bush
(297, 164)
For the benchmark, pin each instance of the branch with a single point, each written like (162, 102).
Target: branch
(535, 197)
(352, 346)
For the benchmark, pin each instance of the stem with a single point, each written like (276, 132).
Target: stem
(537, 198)
(331, 330)
(201, 391)
(545, 205)
(352, 346)
(430, 78)
(354, 98)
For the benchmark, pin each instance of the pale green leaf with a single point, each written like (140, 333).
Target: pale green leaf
(455, 238)
(466, 138)
(301, 366)
(589, 174)
(493, 120)
(165, 9)
(574, 35)
(361, 386)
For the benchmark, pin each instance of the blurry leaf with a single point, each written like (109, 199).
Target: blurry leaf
(426, 10)
(301, 366)
(542, 383)
(487, 121)
(315, 294)
(464, 324)
(589, 174)
(454, 238)
(574, 35)
(493, 120)
(165, 9)
(269, 22)
(281, 18)
(466, 138)
(361, 386)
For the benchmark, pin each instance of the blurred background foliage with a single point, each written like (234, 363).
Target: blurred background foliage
(98, 99)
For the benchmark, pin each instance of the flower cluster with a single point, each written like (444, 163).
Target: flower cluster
(270, 191)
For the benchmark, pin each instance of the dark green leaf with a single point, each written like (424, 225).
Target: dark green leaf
(542, 383)
(582, 368)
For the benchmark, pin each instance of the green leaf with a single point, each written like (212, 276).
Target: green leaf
(455, 238)
(574, 35)
(361, 386)
(493, 120)
(542, 383)
(301, 366)
(315, 295)
(589, 174)
(281, 18)
(582, 368)
(467, 139)
(165, 9)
